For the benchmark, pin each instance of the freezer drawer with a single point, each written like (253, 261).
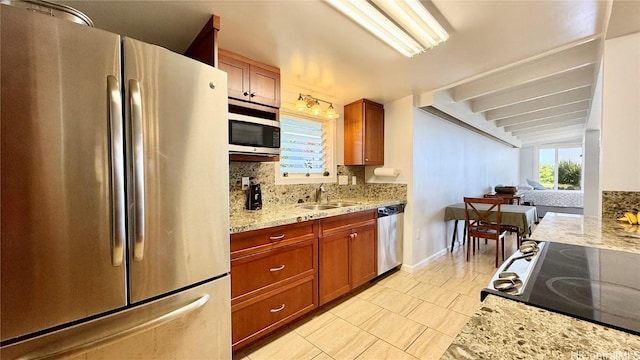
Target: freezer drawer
(194, 324)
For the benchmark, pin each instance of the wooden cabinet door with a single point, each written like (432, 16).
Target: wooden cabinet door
(373, 134)
(363, 253)
(334, 266)
(238, 77)
(364, 133)
(265, 86)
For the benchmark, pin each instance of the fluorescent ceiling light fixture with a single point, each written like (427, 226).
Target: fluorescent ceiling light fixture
(420, 30)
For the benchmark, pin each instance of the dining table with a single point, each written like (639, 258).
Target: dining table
(521, 216)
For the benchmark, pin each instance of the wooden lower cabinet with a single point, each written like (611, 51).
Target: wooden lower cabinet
(364, 259)
(334, 266)
(279, 274)
(348, 253)
(263, 314)
(273, 279)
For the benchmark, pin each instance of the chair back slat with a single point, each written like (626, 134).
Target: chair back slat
(483, 221)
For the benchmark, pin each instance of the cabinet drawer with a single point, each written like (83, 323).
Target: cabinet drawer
(270, 268)
(253, 319)
(348, 221)
(248, 242)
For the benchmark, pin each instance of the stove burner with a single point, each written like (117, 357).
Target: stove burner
(605, 297)
(574, 254)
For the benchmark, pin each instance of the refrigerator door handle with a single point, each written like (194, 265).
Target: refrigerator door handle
(77, 349)
(117, 156)
(135, 98)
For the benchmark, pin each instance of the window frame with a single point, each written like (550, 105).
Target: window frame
(556, 147)
(329, 127)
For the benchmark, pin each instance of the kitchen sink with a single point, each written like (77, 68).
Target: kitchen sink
(342, 204)
(318, 206)
(331, 205)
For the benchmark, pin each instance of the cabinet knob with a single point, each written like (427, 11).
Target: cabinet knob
(365, 159)
(246, 93)
(253, 94)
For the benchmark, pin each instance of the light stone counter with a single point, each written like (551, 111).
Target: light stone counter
(588, 231)
(506, 329)
(247, 220)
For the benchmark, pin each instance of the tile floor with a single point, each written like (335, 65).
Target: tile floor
(401, 316)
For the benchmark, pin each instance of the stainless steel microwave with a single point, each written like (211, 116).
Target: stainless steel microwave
(253, 135)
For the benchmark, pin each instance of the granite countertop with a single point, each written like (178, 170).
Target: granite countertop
(507, 329)
(588, 231)
(247, 220)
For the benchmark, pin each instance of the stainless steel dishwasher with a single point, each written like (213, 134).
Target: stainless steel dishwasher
(390, 223)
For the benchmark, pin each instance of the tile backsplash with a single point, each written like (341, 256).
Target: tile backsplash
(273, 195)
(616, 203)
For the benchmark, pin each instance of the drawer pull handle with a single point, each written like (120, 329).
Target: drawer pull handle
(281, 267)
(277, 237)
(278, 309)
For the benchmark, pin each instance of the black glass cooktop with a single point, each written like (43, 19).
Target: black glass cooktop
(598, 285)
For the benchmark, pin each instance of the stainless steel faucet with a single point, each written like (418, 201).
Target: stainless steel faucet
(319, 192)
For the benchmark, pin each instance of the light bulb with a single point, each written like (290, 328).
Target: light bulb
(331, 112)
(315, 109)
(300, 104)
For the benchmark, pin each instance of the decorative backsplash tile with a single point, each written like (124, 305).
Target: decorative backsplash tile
(616, 203)
(272, 194)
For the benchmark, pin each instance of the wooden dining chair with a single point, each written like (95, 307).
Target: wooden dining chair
(484, 223)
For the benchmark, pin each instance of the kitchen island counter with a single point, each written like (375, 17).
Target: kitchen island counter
(507, 329)
(588, 231)
(247, 220)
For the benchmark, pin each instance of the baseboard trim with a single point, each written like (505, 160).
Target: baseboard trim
(424, 263)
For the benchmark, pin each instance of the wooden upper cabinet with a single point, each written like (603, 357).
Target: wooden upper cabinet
(364, 133)
(249, 80)
(205, 46)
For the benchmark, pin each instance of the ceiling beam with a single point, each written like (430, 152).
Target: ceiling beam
(545, 67)
(546, 102)
(564, 82)
(552, 120)
(546, 113)
(560, 138)
(551, 127)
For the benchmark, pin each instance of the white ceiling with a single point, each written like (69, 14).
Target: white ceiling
(505, 61)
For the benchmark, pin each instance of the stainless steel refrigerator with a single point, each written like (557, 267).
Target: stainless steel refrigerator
(114, 176)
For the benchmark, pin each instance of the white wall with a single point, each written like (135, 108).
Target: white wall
(449, 162)
(398, 153)
(620, 137)
(527, 165)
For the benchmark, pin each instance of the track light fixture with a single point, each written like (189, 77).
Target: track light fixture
(311, 105)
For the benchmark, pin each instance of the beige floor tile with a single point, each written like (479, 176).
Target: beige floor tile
(323, 356)
(288, 346)
(466, 305)
(399, 282)
(393, 328)
(474, 287)
(435, 278)
(434, 295)
(444, 320)
(310, 324)
(381, 350)
(367, 293)
(430, 345)
(341, 340)
(395, 301)
(356, 310)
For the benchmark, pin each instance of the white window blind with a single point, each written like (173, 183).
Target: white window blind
(302, 147)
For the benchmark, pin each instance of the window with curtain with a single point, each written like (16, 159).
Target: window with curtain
(306, 150)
